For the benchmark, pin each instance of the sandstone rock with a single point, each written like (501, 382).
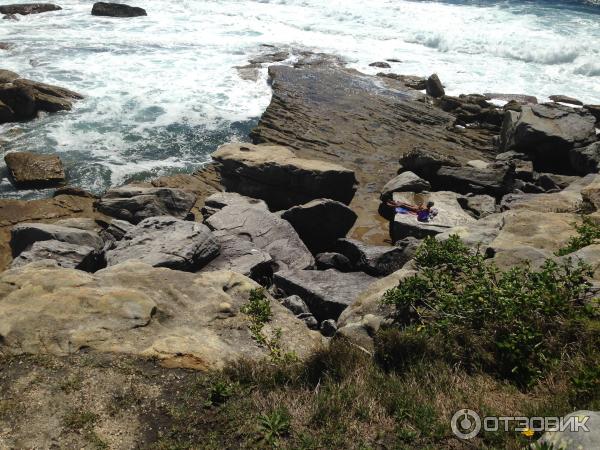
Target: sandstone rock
(135, 204)
(575, 439)
(24, 235)
(7, 76)
(182, 319)
(410, 81)
(71, 256)
(220, 200)
(74, 191)
(332, 260)
(265, 231)
(21, 100)
(310, 321)
(276, 175)
(405, 182)
(479, 233)
(586, 160)
(6, 113)
(28, 8)
(478, 205)
(565, 99)
(115, 231)
(319, 223)
(434, 86)
(361, 320)
(591, 194)
(327, 293)
(166, 242)
(296, 305)
(375, 260)
(81, 223)
(496, 179)
(547, 132)
(450, 214)
(426, 163)
(34, 170)
(117, 10)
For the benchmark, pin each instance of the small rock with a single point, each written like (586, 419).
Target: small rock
(117, 10)
(434, 86)
(331, 260)
(380, 64)
(310, 321)
(296, 305)
(328, 328)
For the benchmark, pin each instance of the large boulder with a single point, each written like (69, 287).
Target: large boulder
(274, 174)
(24, 235)
(20, 99)
(71, 256)
(404, 182)
(135, 204)
(479, 205)
(495, 179)
(166, 242)
(434, 86)
(575, 439)
(28, 8)
(182, 319)
(547, 132)
(117, 10)
(33, 170)
(265, 231)
(6, 113)
(449, 215)
(376, 260)
(326, 292)
(586, 160)
(319, 223)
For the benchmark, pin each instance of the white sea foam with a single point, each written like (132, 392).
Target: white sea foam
(162, 92)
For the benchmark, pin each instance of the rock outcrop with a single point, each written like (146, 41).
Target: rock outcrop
(280, 178)
(117, 10)
(64, 254)
(135, 204)
(265, 231)
(320, 223)
(31, 170)
(166, 242)
(182, 319)
(326, 292)
(28, 8)
(434, 86)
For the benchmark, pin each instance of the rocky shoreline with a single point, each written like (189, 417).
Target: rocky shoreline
(162, 269)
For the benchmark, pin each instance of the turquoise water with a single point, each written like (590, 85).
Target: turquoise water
(162, 91)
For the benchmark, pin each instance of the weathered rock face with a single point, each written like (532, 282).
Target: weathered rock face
(450, 214)
(586, 160)
(183, 319)
(320, 223)
(434, 86)
(575, 439)
(24, 235)
(265, 231)
(548, 133)
(375, 260)
(28, 8)
(117, 10)
(220, 200)
(135, 204)
(34, 170)
(310, 110)
(166, 242)
(277, 176)
(479, 205)
(405, 182)
(71, 256)
(326, 292)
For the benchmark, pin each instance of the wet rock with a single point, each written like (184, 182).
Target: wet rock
(434, 86)
(7, 76)
(132, 308)
(320, 223)
(547, 133)
(135, 204)
(12, 17)
(265, 231)
(380, 64)
(74, 191)
(166, 242)
(20, 99)
(72, 256)
(328, 328)
(410, 81)
(375, 260)
(34, 170)
(586, 160)
(6, 113)
(520, 98)
(296, 305)
(565, 99)
(332, 260)
(24, 235)
(577, 438)
(270, 58)
(117, 10)
(280, 178)
(405, 182)
(28, 8)
(327, 293)
(220, 200)
(450, 214)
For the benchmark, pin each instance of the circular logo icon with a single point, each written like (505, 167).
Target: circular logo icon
(466, 424)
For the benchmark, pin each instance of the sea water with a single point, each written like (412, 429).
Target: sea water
(162, 91)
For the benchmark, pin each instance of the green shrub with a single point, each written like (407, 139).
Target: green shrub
(588, 233)
(274, 426)
(513, 324)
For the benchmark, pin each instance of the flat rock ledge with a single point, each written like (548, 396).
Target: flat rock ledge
(31, 170)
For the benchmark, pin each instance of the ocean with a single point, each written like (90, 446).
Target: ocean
(162, 91)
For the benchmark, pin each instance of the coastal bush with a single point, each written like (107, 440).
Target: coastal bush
(588, 233)
(515, 325)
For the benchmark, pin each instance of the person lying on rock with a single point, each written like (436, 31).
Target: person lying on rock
(424, 214)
